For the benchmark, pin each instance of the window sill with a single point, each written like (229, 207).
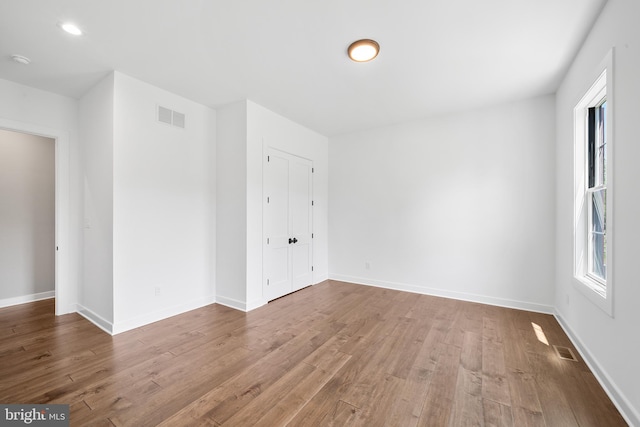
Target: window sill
(593, 291)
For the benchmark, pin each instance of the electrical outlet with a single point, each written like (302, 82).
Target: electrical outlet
(367, 265)
(157, 291)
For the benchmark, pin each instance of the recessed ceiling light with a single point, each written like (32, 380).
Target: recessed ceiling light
(363, 50)
(21, 59)
(71, 28)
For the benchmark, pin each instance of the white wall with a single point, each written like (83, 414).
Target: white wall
(266, 128)
(43, 113)
(150, 205)
(27, 215)
(163, 205)
(244, 129)
(459, 205)
(231, 227)
(96, 131)
(611, 345)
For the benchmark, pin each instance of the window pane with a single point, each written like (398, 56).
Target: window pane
(598, 210)
(598, 236)
(592, 136)
(601, 153)
(598, 266)
(597, 145)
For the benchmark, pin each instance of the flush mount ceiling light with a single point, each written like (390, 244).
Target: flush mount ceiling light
(363, 50)
(21, 59)
(71, 28)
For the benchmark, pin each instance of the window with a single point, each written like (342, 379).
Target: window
(592, 187)
(597, 193)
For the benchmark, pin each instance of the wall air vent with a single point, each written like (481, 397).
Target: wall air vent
(164, 115)
(178, 119)
(170, 117)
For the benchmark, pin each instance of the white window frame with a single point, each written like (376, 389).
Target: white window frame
(599, 291)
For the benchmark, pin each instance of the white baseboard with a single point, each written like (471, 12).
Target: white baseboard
(252, 305)
(8, 302)
(165, 313)
(319, 278)
(239, 305)
(231, 303)
(501, 302)
(95, 318)
(628, 412)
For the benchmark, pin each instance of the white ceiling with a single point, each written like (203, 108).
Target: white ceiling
(290, 55)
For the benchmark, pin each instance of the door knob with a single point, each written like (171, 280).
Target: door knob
(295, 240)
(290, 240)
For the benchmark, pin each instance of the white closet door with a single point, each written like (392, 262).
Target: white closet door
(300, 214)
(288, 223)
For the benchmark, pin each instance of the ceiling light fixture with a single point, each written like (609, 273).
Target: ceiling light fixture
(363, 50)
(21, 59)
(71, 28)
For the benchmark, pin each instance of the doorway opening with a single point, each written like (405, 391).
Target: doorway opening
(63, 291)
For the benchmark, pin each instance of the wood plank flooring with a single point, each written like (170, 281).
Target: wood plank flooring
(335, 354)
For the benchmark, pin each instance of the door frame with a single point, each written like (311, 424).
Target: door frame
(64, 292)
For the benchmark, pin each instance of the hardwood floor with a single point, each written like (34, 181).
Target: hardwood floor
(335, 354)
